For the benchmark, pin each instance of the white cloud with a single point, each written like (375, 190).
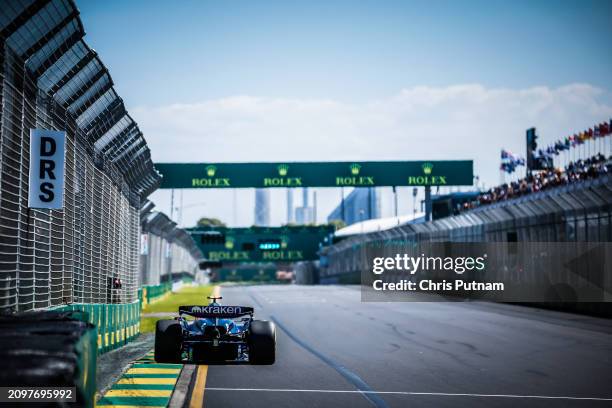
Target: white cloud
(466, 121)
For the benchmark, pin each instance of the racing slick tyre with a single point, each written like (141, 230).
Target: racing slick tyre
(262, 342)
(167, 341)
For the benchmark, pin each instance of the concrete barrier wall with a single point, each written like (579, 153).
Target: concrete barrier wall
(116, 324)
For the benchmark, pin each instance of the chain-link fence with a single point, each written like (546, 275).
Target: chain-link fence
(88, 252)
(167, 252)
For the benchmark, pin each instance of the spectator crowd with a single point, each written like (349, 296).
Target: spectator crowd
(574, 172)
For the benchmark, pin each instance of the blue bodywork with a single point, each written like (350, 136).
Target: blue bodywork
(198, 326)
(216, 338)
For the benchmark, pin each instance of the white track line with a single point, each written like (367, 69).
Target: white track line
(444, 394)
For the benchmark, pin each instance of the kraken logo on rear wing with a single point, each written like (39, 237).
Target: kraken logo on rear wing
(229, 312)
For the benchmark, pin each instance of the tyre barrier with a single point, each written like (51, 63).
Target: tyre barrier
(49, 349)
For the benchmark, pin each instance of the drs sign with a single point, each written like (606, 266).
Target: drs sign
(46, 169)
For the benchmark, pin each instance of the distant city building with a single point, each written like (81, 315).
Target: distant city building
(304, 215)
(262, 207)
(362, 203)
(290, 217)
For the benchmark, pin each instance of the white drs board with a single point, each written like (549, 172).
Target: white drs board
(47, 159)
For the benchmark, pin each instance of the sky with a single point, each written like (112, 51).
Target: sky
(345, 80)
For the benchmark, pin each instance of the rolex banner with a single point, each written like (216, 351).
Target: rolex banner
(313, 174)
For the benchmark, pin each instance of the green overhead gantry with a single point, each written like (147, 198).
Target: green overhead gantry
(261, 244)
(316, 174)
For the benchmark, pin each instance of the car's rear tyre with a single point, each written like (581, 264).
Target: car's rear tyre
(167, 341)
(262, 342)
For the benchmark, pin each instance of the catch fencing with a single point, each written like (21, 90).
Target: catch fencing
(572, 216)
(167, 252)
(87, 252)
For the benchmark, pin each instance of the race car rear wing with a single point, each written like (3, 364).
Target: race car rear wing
(228, 312)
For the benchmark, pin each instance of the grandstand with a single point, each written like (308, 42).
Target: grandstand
(575, 172)
(573, 205)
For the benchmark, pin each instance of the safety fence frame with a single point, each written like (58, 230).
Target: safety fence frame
(167, 252)
(87, 252)
(576, 213)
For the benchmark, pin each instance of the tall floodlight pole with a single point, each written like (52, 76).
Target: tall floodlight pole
(180, 214)
(370, 203)
(414, 196)
(362, 218)
(234, 210)
(172, 204)
(314, 207)
(427, 203)
(395, 199)
(289, 205)
(342, 203)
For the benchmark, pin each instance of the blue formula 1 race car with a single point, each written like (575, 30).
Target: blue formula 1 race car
(215, 334)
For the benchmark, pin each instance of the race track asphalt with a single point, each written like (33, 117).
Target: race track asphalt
(335, 351)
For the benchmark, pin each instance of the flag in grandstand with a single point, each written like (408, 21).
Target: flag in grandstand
(510, 161)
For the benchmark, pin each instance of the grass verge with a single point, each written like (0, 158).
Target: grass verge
(191, 295)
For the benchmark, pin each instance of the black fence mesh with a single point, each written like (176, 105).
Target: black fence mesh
(51, 79)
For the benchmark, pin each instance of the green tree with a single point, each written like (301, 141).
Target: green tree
(210, 222)
(338, 224)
